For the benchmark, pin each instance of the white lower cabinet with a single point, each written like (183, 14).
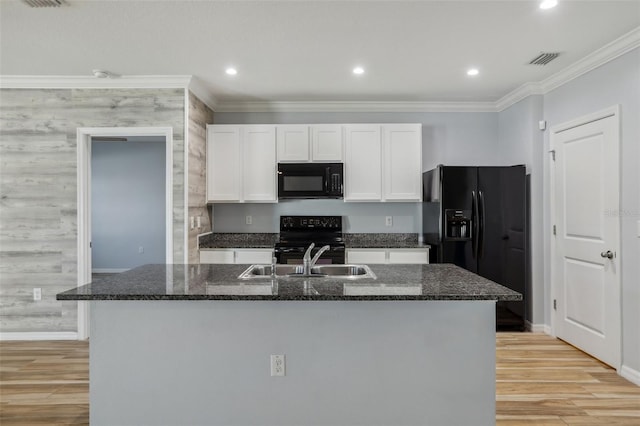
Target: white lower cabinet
(366, 256)
(236, 255)
(217, 256)
(253, 255)
(388, 256)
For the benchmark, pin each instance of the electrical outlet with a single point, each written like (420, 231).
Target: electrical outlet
(37, 294)
(193, 222)
(140, 249)
(277, 365)
(199, 222)
(388, 221)
(248, 220)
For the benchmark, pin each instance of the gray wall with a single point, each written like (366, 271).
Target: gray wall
(358, 217)
(447, 138)
(128, 203)
(617, 82)
(38, 190)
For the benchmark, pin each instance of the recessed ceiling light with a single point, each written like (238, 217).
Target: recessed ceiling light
(548, 4)
(231, 71)
(473, 71)
(358, 70)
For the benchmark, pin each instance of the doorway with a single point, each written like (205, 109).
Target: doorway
(85, 136)
(585, 260)
(127, 203)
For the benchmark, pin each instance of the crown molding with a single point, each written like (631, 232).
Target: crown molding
(517, 95)
(346, 106)
(201, 92)
(88, 82)
(607, 53)
(616, 48)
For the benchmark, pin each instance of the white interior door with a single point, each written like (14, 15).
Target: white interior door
(586, 264)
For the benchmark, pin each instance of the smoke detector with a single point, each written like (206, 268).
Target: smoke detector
(544, 58)
(43, 3)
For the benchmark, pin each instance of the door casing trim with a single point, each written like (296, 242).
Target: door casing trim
(613, 111)
(84, 135)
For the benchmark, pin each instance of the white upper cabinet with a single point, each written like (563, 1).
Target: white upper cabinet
(402, 146)
(259, 165)
(326, 143)
(383, 162)
(223, 163)
(241, 163)
(293, 144)
(309, 143)
(363, 163)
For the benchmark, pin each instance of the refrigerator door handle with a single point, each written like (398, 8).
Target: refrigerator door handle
(481, 225)
(474, 221)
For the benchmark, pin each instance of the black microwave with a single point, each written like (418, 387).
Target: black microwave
(309, 180)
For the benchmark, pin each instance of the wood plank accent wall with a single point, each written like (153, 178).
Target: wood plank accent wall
(38, 185)
(199, 116)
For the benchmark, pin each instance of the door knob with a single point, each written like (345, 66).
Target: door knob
(608, 254)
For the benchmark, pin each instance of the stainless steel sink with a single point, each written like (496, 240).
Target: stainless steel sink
(258, 271)
(344, 271)
(319, 271)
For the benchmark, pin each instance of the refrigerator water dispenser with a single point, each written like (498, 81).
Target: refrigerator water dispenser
(458, 224)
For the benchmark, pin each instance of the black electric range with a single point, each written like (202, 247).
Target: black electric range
(298, 232)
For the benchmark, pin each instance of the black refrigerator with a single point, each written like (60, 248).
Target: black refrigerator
(476, 218)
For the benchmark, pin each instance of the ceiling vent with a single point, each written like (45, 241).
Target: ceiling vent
(44, 3)
(544, 58)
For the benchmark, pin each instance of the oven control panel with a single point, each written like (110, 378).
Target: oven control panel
(311, 223)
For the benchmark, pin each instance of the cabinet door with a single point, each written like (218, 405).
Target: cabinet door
(326, 143)
(254, 255)
(293, 144)
(217, 256)
(363, 163)
(259, 165)
(366, 256)
(409, 255)
(402, 162)
(223, 163)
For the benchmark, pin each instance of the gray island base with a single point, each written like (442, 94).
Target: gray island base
(159, 357)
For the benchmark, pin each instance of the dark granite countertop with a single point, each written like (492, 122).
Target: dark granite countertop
(220, 282)
(238, 240)
(267, 240)
(381, 240)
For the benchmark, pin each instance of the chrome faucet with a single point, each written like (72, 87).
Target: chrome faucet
(308, 262)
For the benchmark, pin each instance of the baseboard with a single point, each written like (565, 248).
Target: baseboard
(39, 335)
(630, 374)
(537, 328)
(108, 270)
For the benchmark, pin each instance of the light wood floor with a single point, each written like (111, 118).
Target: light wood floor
(540, 381)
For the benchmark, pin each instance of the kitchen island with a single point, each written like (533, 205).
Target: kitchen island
(191, 345)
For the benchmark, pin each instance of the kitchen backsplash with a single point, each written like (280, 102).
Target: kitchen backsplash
(357, 217)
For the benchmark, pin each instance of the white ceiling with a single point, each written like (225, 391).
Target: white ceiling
(412, 51)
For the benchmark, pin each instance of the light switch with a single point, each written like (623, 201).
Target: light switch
(199, 222)
(192, 220)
